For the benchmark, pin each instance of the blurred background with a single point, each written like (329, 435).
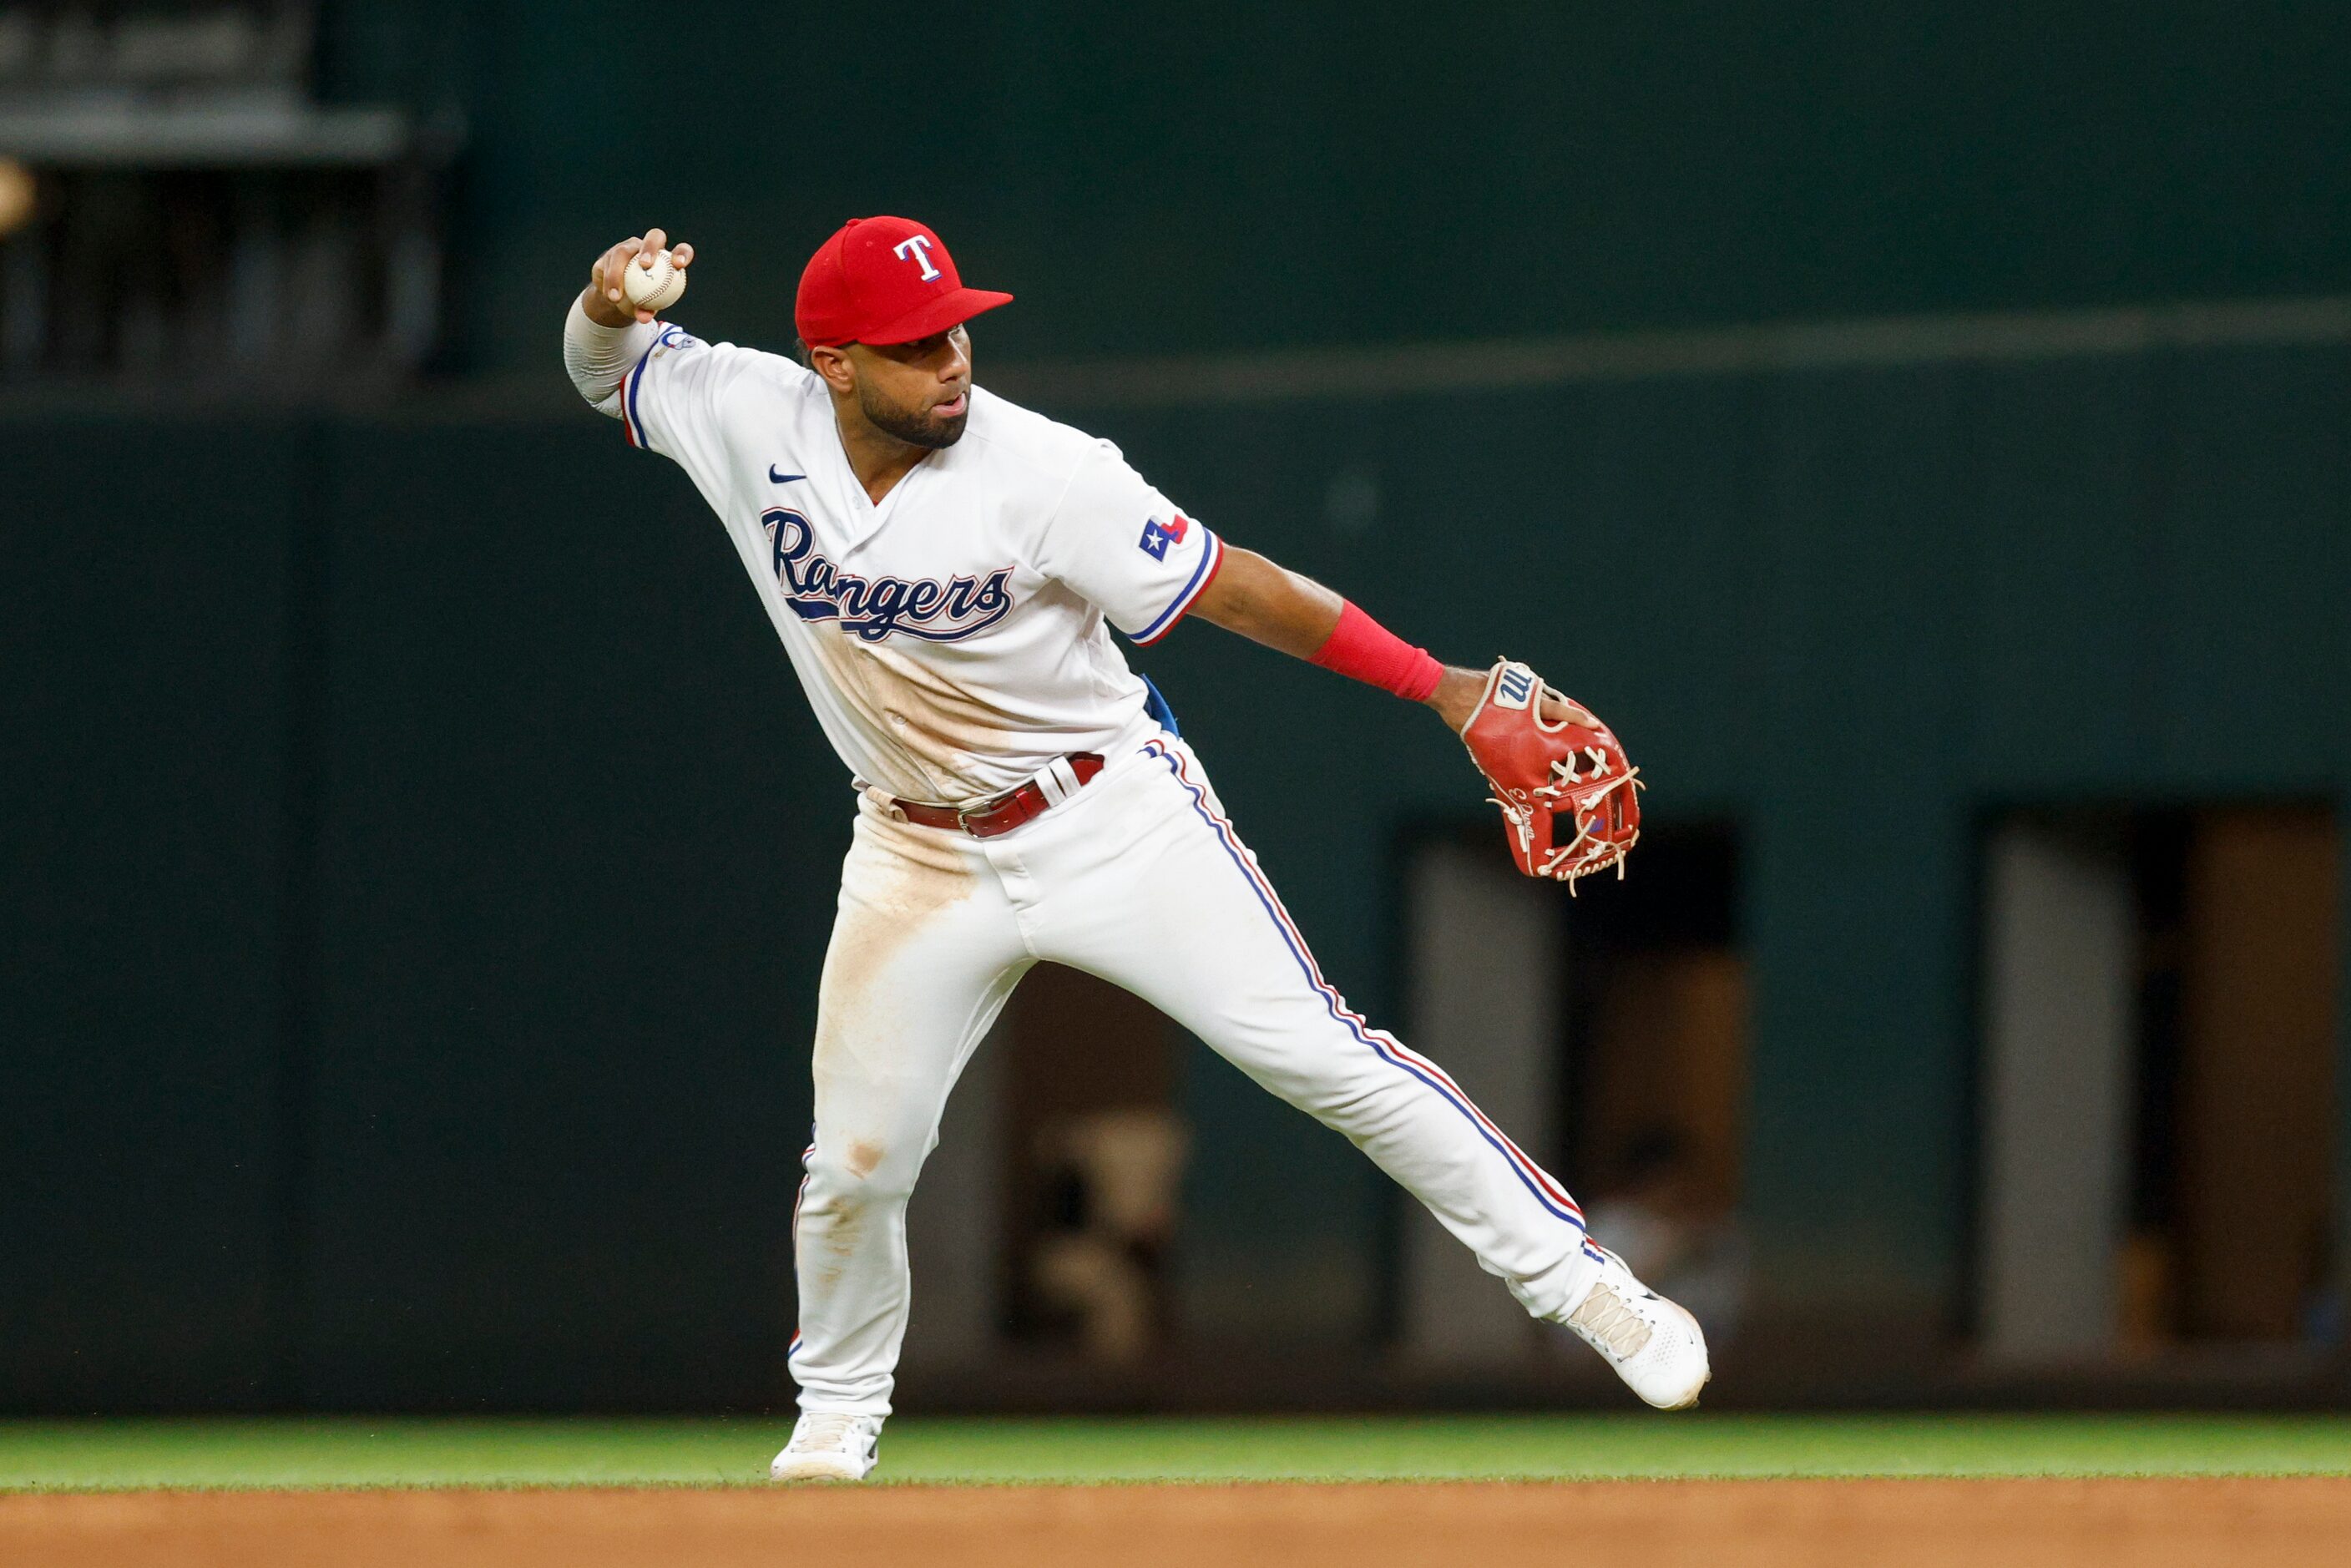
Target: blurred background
(1920, 428)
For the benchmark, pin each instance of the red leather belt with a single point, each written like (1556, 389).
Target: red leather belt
(1005, 813)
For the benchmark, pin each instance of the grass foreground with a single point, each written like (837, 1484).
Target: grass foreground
(124, 1455)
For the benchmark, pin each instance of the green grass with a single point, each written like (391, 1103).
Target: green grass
(355, 1452)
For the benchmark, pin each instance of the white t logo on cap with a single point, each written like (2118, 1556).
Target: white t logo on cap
(921, 245)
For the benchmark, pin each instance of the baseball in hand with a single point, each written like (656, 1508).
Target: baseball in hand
(654, 287)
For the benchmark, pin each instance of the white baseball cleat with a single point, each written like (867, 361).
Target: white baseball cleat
(1656, 1346)
(828, 1446)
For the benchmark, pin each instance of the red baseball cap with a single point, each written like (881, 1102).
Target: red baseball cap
(884, 281)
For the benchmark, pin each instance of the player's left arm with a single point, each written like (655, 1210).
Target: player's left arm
(1288, 611)
(1147, 581)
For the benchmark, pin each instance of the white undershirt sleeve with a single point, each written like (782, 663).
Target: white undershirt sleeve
(600, 358)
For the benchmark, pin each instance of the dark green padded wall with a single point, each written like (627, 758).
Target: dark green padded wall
(575, 836)
(150, 579)
(1168, 178)
(1850, 609)
(579, 864)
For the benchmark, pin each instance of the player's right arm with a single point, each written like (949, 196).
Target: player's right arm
(605, 335)
(671, 391)
(603, 300)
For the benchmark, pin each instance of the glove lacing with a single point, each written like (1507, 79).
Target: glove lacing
(1521, 817)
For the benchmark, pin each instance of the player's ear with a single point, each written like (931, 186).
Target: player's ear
(834, 365)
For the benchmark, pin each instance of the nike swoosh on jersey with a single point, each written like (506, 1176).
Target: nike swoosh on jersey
(776, 478)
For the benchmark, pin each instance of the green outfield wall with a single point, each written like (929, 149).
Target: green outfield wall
(1148, 178)
(421, 856)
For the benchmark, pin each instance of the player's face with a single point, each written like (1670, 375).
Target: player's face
(918, 391)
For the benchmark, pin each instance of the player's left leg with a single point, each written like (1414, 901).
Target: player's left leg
(1157, 893)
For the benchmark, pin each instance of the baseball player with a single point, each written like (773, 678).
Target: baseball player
(944, 570)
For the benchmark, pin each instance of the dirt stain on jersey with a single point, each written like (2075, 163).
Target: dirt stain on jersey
(941, 724)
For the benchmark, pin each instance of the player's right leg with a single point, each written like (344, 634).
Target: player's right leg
(924, 951)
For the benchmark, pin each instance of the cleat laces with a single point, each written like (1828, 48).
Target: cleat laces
(1607, 1318)
(823, 1432)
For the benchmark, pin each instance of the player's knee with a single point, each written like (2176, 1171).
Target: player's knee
(1343, 1101)
(862, 1171)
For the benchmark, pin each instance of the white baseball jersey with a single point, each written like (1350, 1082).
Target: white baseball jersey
(952, 639)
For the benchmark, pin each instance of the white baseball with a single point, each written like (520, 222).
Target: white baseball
(654, 287)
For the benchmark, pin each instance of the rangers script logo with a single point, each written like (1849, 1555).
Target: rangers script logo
(881, 607)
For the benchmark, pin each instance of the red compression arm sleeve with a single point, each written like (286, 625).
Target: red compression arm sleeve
(1361, 647)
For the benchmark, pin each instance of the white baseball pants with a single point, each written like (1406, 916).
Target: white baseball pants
(1139, 879)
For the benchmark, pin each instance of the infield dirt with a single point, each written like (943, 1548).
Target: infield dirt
(2153, 1523)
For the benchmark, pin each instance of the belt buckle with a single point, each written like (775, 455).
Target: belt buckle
(988, 811)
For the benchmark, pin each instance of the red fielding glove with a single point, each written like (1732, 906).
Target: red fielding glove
(1571, 801)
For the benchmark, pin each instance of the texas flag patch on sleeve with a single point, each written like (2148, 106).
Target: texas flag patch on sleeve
(1157, 536)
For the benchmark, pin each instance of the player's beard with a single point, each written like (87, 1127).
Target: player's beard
(916, 427)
